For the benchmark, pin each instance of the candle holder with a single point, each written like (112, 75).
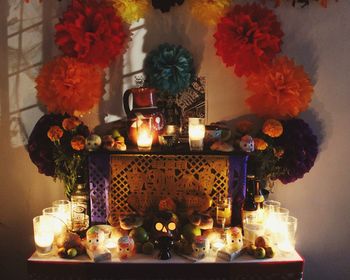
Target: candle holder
(43, 234)
(58, 225)
(64, 211)
(196, 133)
(224, 212)
(144, 134)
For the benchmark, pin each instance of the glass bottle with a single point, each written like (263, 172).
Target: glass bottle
(259, 201)
(249, 205)
(80, 202)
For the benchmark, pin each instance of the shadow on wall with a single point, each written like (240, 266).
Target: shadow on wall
(176, 27)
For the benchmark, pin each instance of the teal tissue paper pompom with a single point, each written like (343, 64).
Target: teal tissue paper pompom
(169, 68)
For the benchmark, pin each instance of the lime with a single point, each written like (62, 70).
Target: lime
(259, 253)
(72, 252)
(139, 235)
(190, 231)
(148, 248)
(120, 139)
(115, 133)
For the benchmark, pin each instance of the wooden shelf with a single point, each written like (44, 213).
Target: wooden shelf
(149, 267)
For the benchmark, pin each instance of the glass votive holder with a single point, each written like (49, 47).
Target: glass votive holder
(271, 206)
(58, 225)
(224, 212)
(252, 230)
(64, 211)
(196, 133)
(144, 134)
(287, 243)
(43, 234)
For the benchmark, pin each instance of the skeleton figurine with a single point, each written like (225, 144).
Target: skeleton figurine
(93, 142)
(247, 143)
(234, 239)
(200, 247)
(126, 247)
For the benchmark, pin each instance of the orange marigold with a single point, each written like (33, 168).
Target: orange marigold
(272, 128)
(55, 133)
(78, 142)
(66, 85)
(282, 90)
(71, 123)
(244, 126)
(260, 144)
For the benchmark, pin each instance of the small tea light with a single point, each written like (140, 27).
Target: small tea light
(196, 133)
(112, 245)
(43, 234)
(144, 134)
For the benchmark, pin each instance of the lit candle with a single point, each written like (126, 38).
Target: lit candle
(43, 234)
(144, 139)
(196, 133)
(58, 225)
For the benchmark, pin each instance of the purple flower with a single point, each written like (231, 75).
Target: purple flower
(300, 150)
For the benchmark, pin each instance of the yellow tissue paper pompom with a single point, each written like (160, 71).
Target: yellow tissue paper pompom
(209, 11)
(131, 10)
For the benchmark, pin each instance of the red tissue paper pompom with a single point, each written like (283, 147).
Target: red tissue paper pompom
(91, 31)
(248, 37)
(66, 85)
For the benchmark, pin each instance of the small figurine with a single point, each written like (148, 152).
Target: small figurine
(200, 247)
(93, 142)
(234, 239)
(126, 247)
(247, 143)
(95, 246)
(165, 232)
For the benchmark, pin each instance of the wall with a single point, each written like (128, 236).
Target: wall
(315, 37)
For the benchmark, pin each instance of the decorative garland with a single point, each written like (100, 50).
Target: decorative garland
(92, 33)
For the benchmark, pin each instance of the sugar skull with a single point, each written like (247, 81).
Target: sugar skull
(126, 247)
(200, 247)
(95, 238)
(247, 143)
(165, 232)
(234, 239)
(93, 142)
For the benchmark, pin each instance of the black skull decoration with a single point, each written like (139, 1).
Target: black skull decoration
(165, 232)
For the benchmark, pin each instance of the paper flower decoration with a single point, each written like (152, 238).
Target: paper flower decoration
(248, 37)
(66, 85)
(131, 10)
(165, 5)
(91, 31)
(282, 90)
(300, 150)
(208, 11)
(40, 147)
(169, 68)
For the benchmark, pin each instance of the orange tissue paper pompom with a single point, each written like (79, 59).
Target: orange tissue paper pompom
(282, 90)
(66, 85)
(272, 128)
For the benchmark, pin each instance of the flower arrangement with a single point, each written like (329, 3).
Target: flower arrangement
(248, 37)
(169, 68)
(65, 85)
(91, 31)
(282, 90)
(57, 147)
(283, 150)
(303, 3)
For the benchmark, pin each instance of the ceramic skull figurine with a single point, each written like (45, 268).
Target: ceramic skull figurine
(235, 239)
(93, 142)
(200, 247)
(126, 247)
(95, 238)
(247, 143)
